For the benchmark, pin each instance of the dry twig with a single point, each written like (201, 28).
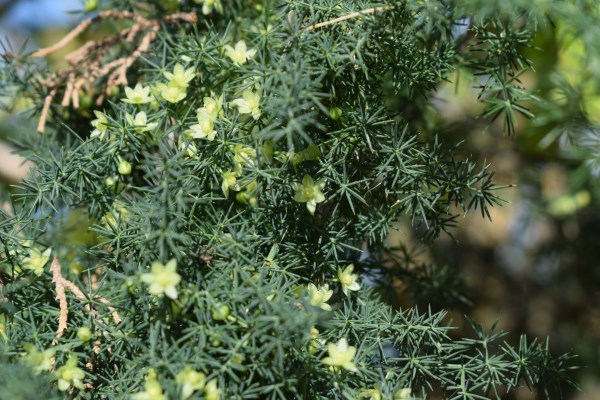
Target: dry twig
(89, 65)
(355, 14)
(61, 283)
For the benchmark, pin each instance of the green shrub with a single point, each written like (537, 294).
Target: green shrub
(219, 230)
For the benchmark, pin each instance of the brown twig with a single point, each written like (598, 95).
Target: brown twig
(355, 14)
(57, 279)
(88, 64)
(61, 283)
(79, 29)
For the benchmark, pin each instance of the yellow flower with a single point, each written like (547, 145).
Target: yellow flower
(190, 380)
(370, 394)
(319, 296)
(315, 342)
(171, 93)
(240, 54)
(209, 5)
(243, 155)
(229, 182)
(100, 125)
(213, 107)
(163, 279)
(70, 375)
(204, 129)
(212, 392)
(403, 394)
(152, 390)
(309, 192)
(249, 103)
(190, 148)
(180, 77)
(138, 95)
(37, 260)
(341, 355)
(347, 279)
(140, 122)
(39, 360)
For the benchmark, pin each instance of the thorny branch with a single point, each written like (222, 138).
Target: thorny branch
(88, 64)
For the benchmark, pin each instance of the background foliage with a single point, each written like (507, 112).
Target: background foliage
(355, 105)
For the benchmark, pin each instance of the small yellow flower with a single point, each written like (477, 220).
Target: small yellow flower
(36, 260)
(152, 390)
(204, 129)
(319, 296)
(163, 279)
(341, 355)
(229, 182)
(39, 360)
(140, 122)
(138, 95)
(315, 343)
(309, 192)
(171, 93)
(249, 103)
(209, 5)
(212, 391)
(403, 394)
(70, 375)
(100, 124)
(213, 107)
(190, 148)
(347, 279)
(190, 380)
(240, 54)
(370, 394)
(243, 155)
(180, 77)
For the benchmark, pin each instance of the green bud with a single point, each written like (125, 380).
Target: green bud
(124, 167)
(110, 181)
(84, 334)
(90, 5)
(220, 312)
(335, 113)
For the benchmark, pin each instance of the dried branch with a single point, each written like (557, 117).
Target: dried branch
(90, 64)
(360, 13)
(61, 283)
(57, 279)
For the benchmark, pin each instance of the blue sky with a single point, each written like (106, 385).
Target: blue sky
(30, 15)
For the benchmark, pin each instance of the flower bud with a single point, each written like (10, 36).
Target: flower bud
(220, 312)
(335, 113)
(84, 334)
(90, 5)
(124, 167)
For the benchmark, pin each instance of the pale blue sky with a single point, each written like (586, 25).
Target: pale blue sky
(30, 15)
